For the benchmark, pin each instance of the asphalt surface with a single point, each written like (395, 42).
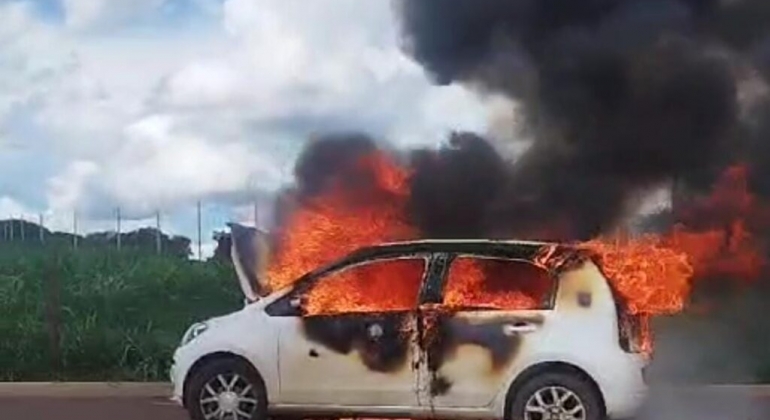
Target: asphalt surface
(662, 407)
(28, 408)
(720, 405)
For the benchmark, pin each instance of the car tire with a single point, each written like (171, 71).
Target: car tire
(547, 395)
(230, 386)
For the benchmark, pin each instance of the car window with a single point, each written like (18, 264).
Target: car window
(374, 286)
(489, 283)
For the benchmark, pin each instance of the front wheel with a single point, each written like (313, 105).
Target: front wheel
(226, 389)
(556, 396)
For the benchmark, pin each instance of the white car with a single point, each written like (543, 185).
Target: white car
(570, 355)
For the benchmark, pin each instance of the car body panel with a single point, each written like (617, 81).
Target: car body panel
(372, 356)
(354, 371)
(474, 362)
(586, 337)
(307, 372)
(246, 333)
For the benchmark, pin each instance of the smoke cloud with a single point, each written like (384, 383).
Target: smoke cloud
(618, 96)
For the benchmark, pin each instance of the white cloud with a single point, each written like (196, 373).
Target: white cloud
(159, 165)
(164, 164)
(66, 189)
(296, 57)
(158, 120)
(32, 56)
(207, 83)
(15, 18)
(86, 13)
(10, 208)
(207, 250)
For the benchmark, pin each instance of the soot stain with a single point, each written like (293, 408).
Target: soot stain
(448, 333)
(584, 299)
(378, 338)
(439, 385)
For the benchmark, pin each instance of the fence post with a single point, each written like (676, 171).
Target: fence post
(75, 230)
(21, 227)
(118, 239)
(157, 232)
(200, 247)
(41, 233)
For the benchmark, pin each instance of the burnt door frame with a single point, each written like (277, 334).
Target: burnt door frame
(435, 322)
(431, 296)
(327, 334)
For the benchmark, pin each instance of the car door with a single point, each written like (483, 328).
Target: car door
(354, 342)
(492, 316)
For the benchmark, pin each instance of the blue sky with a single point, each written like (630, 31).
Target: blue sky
(155, 104)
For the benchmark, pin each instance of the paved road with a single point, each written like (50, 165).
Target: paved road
(720, 405)
(663, 407)
(89, 409)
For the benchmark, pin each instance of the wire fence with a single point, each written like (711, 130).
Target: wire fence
(108, 299)
(120, 232)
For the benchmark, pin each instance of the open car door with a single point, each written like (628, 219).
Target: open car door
(250, 253)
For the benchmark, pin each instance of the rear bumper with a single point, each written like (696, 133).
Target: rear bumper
(624, 388)
(629, 408)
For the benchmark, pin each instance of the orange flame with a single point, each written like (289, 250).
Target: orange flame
(652, 274)
(367, 287)
(486, 283)
(343, 220)
(655, 273)
(651, 278)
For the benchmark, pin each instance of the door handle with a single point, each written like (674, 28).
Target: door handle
(518, 328)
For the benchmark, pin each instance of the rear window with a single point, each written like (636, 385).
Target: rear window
(488, 283)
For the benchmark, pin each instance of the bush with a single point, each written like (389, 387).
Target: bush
(118, 316)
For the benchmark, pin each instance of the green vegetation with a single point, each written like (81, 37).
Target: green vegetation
(96, 314)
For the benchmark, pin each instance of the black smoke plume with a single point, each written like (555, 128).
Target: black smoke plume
(451, 187)
(619, 95)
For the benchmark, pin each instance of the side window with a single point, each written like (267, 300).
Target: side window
(374, 286)
(487, 283)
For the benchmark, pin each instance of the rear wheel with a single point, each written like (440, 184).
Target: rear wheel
(556, 396)
(226, 389)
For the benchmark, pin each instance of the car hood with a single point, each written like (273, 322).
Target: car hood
(250, 251)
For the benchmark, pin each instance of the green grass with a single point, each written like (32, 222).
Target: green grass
(121, 314)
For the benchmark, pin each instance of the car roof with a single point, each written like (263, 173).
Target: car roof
(482, 242)
(512, 249)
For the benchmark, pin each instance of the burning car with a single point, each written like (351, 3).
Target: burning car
(426, 328)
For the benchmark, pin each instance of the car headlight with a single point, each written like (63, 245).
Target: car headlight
(193, 332)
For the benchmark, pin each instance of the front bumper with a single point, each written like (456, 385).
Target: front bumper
(177, 380)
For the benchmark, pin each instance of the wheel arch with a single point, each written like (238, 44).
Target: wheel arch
(549, 367)
(211, 357)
